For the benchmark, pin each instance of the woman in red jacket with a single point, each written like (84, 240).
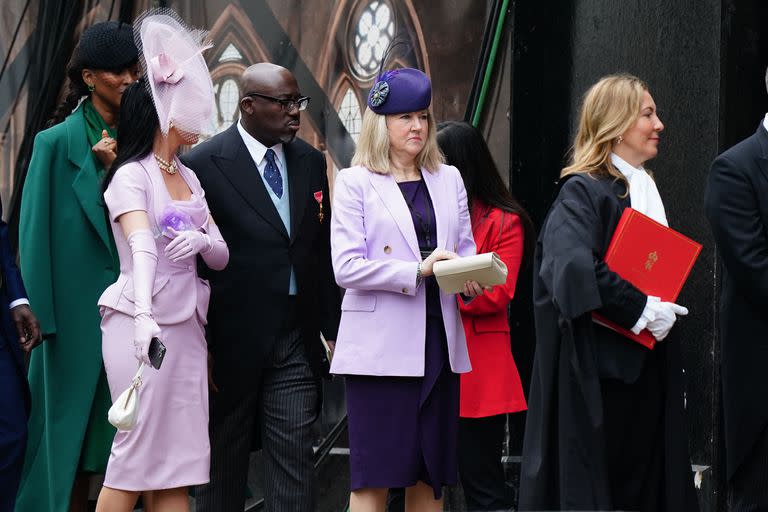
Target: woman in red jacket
(492, 389)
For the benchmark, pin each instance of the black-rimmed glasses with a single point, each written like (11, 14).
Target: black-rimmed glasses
(288, 105)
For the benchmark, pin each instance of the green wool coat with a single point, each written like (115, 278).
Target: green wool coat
(68, 258)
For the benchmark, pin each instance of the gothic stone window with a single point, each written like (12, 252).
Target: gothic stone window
(373, 31)
(227, 96)
(349, 113)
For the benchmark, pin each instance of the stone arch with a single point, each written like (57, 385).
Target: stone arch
(331, 58)
(232, 30)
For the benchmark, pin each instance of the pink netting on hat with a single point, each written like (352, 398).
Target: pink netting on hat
(178, 78)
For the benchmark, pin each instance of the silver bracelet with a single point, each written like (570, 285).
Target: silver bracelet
(419, 277)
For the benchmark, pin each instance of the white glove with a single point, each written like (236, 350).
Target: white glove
(659, 317)
(666, 316)
(186, 244)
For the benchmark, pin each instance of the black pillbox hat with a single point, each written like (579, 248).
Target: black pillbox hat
(108, 45)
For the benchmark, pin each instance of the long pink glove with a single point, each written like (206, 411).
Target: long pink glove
(218, 256)
(211, 246)
(144, 257)
(186, 244)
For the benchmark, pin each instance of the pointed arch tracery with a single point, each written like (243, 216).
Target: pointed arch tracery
(350, 113)
(238, 47)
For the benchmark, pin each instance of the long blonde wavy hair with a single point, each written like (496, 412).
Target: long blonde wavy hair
(609, 109)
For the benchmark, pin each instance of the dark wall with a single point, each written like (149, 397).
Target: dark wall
(745, 57)
(540, 99)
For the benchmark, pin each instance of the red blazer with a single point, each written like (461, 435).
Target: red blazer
(493, 386)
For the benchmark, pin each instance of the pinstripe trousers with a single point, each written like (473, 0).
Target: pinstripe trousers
(748, 488)
(287, 393)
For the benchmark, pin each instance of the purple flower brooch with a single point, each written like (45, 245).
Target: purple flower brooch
(174, 219)
(380, 89)
(379, 93)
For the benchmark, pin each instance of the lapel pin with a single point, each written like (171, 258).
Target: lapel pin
(319, 198)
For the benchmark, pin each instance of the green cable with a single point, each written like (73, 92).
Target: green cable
(491, 61)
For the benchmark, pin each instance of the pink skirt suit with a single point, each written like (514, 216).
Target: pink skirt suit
(169, 446)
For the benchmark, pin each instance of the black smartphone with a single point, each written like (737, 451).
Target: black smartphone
(156, 352)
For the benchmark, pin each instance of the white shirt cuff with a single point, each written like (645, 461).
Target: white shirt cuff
(18, 302)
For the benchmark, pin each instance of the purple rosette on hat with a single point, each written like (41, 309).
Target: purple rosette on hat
(174, 219)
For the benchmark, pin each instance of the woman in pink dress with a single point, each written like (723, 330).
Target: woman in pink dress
(160, 221)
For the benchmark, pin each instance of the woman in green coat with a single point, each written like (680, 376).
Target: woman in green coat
(68, 258)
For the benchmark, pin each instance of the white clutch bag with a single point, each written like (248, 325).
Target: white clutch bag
(125, 411)
(487, 269)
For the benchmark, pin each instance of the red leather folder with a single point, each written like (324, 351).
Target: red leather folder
(651, 256)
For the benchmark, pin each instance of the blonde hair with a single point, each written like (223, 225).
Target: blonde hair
(609, 109)
(372, 149)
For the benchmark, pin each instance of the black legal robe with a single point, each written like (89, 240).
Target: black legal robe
(605, 427)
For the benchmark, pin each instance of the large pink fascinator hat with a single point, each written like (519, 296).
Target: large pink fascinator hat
(178, 78)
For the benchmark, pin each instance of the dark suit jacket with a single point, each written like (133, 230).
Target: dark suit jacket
(736, 204)
(12, 288)
(13, 380)
(249, 298)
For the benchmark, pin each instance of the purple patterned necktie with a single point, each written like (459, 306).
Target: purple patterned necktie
(272, 174)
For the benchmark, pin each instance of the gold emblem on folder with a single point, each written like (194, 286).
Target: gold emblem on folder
(652, 258)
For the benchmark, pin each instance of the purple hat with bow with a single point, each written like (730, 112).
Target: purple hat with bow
(400, 90)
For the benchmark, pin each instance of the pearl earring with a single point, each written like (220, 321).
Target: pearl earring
(619, 139)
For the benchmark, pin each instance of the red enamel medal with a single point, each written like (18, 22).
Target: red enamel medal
(319, 198)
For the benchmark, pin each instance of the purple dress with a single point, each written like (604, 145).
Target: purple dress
(404, 429)
(169, 446)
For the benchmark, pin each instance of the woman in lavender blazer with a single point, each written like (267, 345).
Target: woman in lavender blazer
(401, 343)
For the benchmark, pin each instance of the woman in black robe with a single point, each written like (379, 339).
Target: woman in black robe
(605, 427)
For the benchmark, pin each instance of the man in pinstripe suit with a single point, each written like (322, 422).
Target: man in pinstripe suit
(268, 192)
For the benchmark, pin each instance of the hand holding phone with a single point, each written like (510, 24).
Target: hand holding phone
(156, 352)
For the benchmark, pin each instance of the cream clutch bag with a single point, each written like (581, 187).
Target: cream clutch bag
(125, 411)
(487, 269)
